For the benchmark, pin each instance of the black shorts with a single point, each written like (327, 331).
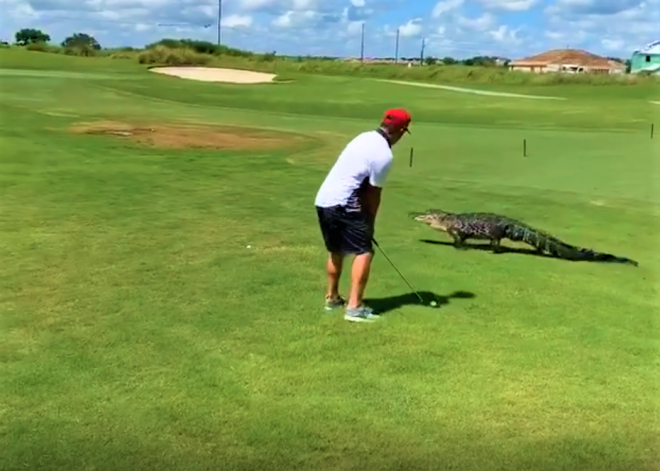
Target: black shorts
(345, 232)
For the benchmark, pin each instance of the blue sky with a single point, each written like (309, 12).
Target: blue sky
(457, 28)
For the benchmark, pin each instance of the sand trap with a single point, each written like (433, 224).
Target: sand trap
(471, 90)
(212, 74)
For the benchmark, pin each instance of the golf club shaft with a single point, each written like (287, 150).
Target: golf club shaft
(397, 270)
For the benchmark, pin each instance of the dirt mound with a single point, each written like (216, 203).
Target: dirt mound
(568, 56)
(189, 136)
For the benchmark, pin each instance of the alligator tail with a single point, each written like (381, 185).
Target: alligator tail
(545, 242)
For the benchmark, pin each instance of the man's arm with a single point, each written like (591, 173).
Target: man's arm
(374, 186)
(372, 201)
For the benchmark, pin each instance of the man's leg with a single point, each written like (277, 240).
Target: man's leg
(358, 240)
(359, 278)
(333, 269)
(331, 230)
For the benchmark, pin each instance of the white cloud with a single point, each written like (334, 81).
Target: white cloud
(141, 27)
(617, 26)
(249, 5)
(594, 7)
(303, 5)
(284, 21)
(445, 6)
(460, 32)
(509, 5)
(237, 21)
(281, 6)
(411, 29)
(613, 44)
(504, 34)
(484, 22)
(296, 19)
(354, 27)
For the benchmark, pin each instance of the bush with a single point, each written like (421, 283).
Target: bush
(201, 47)
(39, 47)
(123, 55)
(84, 50)
(162, 55)
(268, 57)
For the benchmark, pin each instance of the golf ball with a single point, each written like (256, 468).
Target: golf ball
(433, 303)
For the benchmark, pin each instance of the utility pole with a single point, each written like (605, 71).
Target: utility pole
(421, 55)
(219, 22)
(396, 52)
(362, 45)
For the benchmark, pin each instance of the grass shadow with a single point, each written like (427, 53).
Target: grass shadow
(390, 303)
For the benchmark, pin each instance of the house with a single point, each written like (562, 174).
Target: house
(572, 61)
(646, 59)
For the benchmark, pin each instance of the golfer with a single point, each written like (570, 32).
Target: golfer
(347, 204)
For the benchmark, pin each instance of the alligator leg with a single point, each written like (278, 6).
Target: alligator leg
(495, 245)
(459, 239)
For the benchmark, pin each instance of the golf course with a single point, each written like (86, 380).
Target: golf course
(162, 276)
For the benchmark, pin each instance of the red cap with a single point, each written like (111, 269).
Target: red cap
(398, 118)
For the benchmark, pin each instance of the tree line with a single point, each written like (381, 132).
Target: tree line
(78, 41)
(85, 44)
(83, 41)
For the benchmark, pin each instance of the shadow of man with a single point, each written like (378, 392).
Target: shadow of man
(390, 303)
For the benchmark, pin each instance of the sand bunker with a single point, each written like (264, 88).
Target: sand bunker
(189, 136)
(212, 74)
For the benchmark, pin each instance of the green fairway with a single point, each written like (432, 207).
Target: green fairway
(161, 308)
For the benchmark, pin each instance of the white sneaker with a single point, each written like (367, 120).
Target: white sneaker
(360, 314)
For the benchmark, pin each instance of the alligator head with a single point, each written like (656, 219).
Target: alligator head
(435, 218)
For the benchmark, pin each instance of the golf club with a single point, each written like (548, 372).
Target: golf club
(397, 270)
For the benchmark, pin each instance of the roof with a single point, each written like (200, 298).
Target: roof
(651, 48)
(568, 57)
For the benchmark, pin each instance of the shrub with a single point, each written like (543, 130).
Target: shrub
(201, 47)
(123, 55)
(40, 47)
(84, 50)
(162, 55)
(268, 57)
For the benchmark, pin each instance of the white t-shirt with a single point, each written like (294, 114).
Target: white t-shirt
(366, 158)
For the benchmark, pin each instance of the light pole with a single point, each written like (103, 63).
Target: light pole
(421, 55)
(362, 44)
(396, 51)
(219, 21)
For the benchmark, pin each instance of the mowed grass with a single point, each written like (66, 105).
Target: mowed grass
(139, 331)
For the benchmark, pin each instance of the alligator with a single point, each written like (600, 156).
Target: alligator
(495, 227)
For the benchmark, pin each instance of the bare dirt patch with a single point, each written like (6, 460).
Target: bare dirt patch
(178, 136)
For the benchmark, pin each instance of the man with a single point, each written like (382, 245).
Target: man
(347, 204)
